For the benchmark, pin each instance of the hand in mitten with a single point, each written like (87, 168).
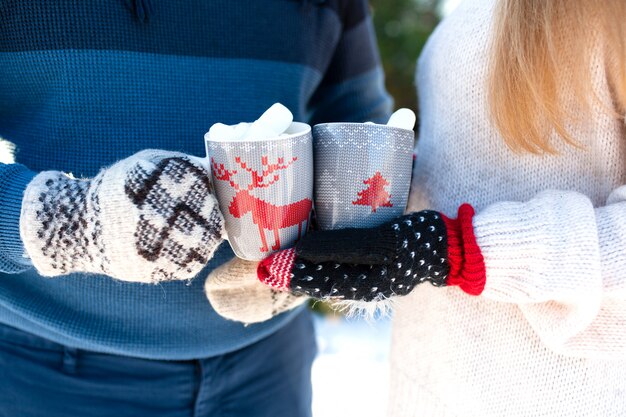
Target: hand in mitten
(236, 294)
(378, 263)
(148, 218)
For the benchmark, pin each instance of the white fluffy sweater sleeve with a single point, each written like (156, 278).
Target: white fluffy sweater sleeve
(564, 263)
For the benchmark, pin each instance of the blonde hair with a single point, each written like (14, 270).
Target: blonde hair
(534, 41)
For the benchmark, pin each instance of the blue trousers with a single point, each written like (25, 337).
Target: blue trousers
(269, 378)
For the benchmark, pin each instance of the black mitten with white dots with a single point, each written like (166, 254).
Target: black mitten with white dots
(364, 264)
(378, 263)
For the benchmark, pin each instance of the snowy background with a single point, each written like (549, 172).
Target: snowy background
(351, 367)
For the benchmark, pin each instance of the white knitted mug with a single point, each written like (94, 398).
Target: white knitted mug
(264, 189)
(362, 173)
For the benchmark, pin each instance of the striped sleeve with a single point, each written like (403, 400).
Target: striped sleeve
(13, 181)
(353, 88)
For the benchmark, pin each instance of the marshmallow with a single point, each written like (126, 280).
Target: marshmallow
(241, 130)
(277, 118)
(272, 123)
(220, 131)
(259, 132)
(402, 118)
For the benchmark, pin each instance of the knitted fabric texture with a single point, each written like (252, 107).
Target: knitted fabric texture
(236, 294)
(340, 264)
(467, 267)
(148, 218)
(547, 336)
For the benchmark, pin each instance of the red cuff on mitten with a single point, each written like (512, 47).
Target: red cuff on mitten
(275, 270)
(467, 266)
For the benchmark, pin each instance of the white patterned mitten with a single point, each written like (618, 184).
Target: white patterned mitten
(235, 293)
(148, 218)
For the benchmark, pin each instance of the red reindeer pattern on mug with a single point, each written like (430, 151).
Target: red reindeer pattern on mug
(265, 215)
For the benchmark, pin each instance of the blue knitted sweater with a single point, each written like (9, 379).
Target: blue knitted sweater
(84, 84)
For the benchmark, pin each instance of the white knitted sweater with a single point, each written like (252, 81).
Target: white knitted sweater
(548, 335)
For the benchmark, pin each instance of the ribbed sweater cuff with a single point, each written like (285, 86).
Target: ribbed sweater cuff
(13, 181)
(467, 266)
(275, 270)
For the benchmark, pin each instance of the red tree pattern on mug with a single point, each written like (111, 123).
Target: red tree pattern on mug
(375, 194)
(265, 215)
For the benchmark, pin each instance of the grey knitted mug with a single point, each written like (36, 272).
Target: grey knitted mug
(264, 189)
(362, 173)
